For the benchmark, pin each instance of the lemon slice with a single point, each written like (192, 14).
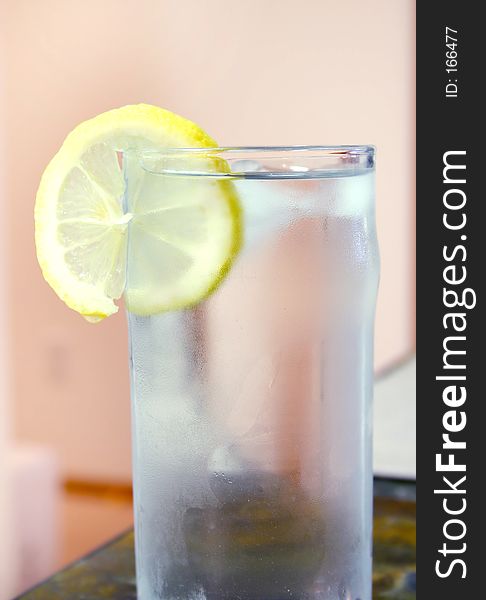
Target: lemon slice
(180, 247)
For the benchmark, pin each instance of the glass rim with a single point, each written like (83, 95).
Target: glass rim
(298, 161)
(322, 150)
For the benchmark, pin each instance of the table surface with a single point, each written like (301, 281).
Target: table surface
(109, 572)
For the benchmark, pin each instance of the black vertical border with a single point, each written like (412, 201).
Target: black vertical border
(445, 124)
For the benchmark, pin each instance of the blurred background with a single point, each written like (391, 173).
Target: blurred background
(249, 72)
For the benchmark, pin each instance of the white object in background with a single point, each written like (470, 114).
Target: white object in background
(36, 484)
(8, 552)
(394, 422)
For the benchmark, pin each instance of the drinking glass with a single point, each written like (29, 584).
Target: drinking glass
(251, 410)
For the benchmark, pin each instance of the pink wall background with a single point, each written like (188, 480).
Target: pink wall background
(274, 72)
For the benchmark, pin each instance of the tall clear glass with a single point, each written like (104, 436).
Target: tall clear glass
(252, 409)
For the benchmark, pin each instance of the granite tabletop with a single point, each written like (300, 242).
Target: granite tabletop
(109, 572)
